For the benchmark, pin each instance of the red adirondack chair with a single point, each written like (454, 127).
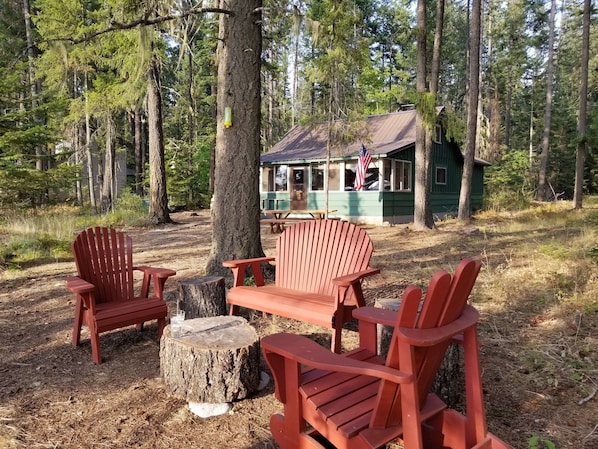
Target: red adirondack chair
(105, 287)
(358, 400)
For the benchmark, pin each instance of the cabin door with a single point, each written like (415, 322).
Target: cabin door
(298, 188)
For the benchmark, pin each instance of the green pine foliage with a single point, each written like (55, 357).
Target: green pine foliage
(352, 58)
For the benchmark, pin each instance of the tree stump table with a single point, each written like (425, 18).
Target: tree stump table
(203, 297)
(215, 360)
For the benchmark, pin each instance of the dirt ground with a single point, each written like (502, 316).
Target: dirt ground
(53, 396)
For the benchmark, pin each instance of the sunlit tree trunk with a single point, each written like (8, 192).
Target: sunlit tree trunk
(107, 194)
(235, 203)
(39, 162)
(583, 107)
(158, 211)
(88, 149)
(472, 111)
(422, 214)
(541, 192)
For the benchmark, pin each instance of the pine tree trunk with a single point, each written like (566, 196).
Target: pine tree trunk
(158, 212)
(88, 151)
(138, 137)
(541, 193)
(107, 190)
(583, 107)
(422, 213)
(235, 203)
(472, 112)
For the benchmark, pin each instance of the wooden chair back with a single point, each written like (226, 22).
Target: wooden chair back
(444, 302)
(312, 253)
(104, 258)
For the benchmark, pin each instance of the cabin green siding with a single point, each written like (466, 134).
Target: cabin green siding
(391, 206)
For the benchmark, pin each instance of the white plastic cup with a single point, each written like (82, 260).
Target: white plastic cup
(176, 323)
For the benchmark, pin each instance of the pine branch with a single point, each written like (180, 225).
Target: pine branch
(145, 21)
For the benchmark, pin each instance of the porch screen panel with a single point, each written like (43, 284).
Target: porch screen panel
(267, 179)
(334, 177)
(280, 178)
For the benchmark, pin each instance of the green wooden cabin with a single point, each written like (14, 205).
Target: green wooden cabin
(293, 173)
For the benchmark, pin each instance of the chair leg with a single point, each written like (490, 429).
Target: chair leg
(161, 326)
(291, 440)
(335, 344)
(95, 347)
(78, 322)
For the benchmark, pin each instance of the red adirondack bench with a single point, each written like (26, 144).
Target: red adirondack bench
(358, 400)
(320, 265)
(105, 287)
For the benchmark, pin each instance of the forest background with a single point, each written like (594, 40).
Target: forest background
(70, 91)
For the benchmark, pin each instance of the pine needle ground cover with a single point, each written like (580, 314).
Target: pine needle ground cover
(537, 294)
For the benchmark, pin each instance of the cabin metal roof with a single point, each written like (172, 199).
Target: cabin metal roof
(386, 133)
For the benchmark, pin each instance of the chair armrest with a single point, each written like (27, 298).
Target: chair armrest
(351, 283)
(238, 268)
(160, 275)
(79, 286)
(158, 272)
(309, 353)
(433, 336)
(239, 262)
(376, 315)
(349, 279)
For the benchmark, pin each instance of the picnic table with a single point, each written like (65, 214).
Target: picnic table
(280, 217)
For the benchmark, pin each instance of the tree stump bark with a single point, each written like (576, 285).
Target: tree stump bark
(203, 297)
(215, 360)
(449, 382)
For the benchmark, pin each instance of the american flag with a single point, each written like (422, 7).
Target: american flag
(362, 167)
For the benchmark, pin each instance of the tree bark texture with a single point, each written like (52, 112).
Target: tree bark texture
(422, 213)
(472, 112)
(235, 203)
(158, 211)
(107, 194)
(138, 143)
(203, 297)
(583, 107)
(541, 193)
(215, 360)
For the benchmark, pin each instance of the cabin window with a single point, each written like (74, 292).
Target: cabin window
(317, 176)
(274, 178)
(350, 168)
(402, 176)
(371, 176)
(441, 175)
(438, 134)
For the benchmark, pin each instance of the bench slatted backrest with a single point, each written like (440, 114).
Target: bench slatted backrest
(312, 253)
(104, 257)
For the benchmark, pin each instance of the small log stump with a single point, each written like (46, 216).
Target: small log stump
(203, 297)
(385, 332)
(216, 360)
(449, 382)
